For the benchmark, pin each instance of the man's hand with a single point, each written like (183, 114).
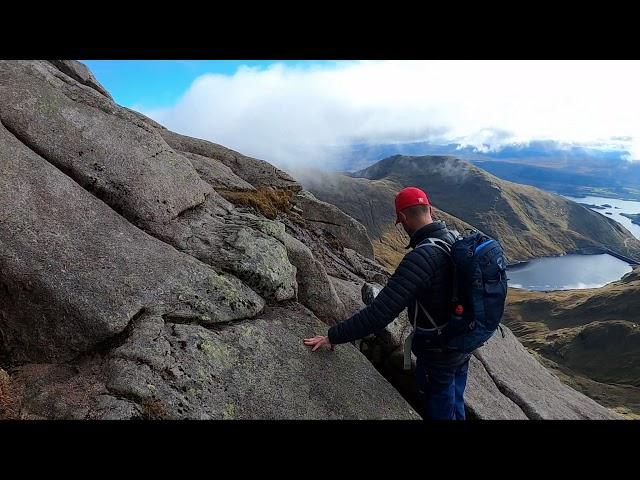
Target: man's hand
(318, 341)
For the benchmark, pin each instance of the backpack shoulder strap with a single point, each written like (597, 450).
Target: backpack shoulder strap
(436, 242)
(446, 248)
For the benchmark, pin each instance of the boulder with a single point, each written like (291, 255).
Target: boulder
(79, 71)
(349, 293)
(216, 173)
(234, 242)
(364, 267)
(315, 289)
(348, 231)
(369, 292)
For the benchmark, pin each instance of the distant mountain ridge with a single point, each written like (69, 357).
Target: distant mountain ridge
(530, 222)
(569, 170)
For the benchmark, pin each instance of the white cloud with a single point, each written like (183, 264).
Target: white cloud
(286, 115)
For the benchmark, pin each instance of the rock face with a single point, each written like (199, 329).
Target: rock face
(351, 233)
(131, 288)
(484, 400)
(212, 374)
(135, 172)
(78, 71)
(315, 289)
(165, 370)
(256, 172)
(168, 370)
(123, 163)
(523, 380)
(74, 272)
(217, 174)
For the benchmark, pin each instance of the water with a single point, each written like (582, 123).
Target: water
(624, 206)
(567, 272)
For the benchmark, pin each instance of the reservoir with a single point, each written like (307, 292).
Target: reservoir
(613, 210)
(567, 272)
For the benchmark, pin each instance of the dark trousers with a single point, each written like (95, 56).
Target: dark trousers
(442, 388)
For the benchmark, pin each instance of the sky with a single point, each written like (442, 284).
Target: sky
(294, 113)
(160, 83)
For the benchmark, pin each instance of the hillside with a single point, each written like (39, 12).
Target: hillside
(564, 169)
(592, 334)
(615, 180)
(371, 203)
(150, 275)
(529, 222)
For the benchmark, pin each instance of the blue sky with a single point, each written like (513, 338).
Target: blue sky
(154, 84)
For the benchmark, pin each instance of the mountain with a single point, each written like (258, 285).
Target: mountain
(565, 169)
(371, 203)
(150, 275)
(528, 221)
(591, 336)
(619, 181)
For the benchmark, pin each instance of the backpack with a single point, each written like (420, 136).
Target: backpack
(478, 299)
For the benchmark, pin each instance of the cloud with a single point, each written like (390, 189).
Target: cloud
(293, 115)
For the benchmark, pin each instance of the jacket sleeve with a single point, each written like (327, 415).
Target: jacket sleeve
(412, 275)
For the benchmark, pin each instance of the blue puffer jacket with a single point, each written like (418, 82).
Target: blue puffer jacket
(424, 273)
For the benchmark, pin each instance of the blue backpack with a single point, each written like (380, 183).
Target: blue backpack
(478, 299)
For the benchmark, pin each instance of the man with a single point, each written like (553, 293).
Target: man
(426, 275)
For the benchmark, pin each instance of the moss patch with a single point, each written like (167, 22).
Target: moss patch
(8, 402)
(266, 200)
(229, 411)
(219, 353)
(153, 409)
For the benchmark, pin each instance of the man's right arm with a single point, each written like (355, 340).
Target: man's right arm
(412, 275)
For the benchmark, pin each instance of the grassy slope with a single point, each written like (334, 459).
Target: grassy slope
(591, 336)
(529, 222)
(623, 399)
(371, 203)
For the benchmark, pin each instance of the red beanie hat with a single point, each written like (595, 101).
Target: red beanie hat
(408, 197)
